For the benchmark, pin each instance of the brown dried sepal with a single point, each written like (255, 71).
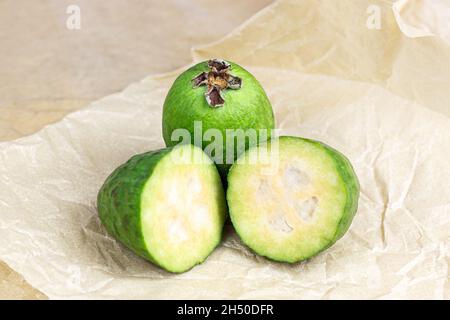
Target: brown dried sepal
(217, 79)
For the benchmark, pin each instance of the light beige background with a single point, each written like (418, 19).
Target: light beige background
(47, 71)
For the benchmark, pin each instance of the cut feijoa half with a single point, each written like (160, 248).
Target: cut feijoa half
(291, 198)
(168, 206)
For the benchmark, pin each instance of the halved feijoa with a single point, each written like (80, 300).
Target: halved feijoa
(168, 206)
(292, 198)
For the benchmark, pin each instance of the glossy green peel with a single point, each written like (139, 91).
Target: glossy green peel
(168, 206)
(217, 95)
(293, 203)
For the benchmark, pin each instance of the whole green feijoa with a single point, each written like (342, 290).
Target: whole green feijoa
(219, 106)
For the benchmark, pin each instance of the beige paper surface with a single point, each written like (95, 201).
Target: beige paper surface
(379, 96)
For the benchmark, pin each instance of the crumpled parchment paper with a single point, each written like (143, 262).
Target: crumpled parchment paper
(379, 96)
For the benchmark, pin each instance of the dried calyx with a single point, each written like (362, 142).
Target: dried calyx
(217, 79)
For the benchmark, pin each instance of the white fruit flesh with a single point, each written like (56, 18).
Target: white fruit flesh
(292, 211)
(182, 209)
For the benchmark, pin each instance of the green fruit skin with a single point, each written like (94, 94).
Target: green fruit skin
(119, 200)
(350, 179)
(244, 108)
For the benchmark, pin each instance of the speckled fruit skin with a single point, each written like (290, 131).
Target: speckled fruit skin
(244, 108)
(348, 175)
(119, 200)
